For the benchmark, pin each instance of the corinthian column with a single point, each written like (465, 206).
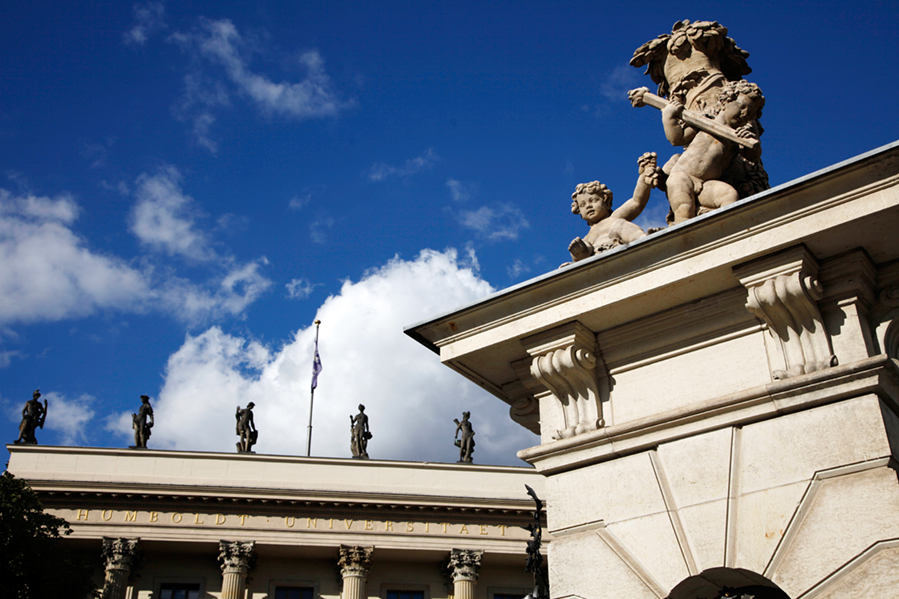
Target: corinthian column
(119, 555)
(235, 559)
(354, 564)
(464, 566)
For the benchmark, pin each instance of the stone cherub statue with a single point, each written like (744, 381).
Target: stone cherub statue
(359, 434)
(608, 229)
(697, 180)
(696, 67)
(246, 429)
(466, 443)
(33, 417)
(142, 422)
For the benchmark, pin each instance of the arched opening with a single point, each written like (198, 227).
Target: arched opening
(732, 583)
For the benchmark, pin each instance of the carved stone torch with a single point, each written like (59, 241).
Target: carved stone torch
(534, 563)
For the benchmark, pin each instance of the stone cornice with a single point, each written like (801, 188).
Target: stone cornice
(878, 375)
(63, 494)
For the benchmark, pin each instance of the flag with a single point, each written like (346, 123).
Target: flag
(316, 366)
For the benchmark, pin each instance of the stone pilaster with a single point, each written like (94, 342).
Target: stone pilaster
(354, 564)
(119, 556)
(236, 558)
(464, 565)
(783, 291)
(564, 362)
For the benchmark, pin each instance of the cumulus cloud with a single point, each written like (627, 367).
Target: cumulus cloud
(409, 396)
(502, 222)
(149, 17)
(48, 272)
(69, 418)
(163, 218)
(380, 171)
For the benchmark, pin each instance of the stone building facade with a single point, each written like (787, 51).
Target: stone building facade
(185, 525)
(718, 402)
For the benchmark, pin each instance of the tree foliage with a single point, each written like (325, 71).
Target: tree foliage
(35, 563)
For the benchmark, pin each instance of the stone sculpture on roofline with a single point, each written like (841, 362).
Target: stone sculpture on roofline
(33, 417)
(699, 71)
(246, 429)
(359, 434)
(466, 443)
(142, 422)
(710, 111)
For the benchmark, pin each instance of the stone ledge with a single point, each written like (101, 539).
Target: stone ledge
(878, 375)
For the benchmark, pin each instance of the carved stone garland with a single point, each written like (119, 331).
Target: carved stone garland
(783, 291)
(564, 361)
(120, 556)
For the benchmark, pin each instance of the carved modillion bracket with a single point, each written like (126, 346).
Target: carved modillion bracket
(563, 364)
(524, 408)
(783, 291)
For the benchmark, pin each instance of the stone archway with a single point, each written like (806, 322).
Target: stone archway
(716, 583)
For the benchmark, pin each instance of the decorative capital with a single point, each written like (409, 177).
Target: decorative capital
(120, 554)
(237, 556)
(355, 561)
(465, 564)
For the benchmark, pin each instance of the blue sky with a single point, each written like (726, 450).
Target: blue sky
(186, 186)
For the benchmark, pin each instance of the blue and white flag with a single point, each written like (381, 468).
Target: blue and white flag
(316, 366)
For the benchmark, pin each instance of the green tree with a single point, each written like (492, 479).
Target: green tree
(35, 564)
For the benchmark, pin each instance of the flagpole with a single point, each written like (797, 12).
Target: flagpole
(312, 392)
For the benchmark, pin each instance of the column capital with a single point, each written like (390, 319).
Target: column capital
(237, 556)
(355, 561)
(120, 553)
(465, 564)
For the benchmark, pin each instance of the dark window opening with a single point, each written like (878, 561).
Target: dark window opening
(293, 592)
(179, 590)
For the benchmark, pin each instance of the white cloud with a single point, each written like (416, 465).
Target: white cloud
(49, 273)
(517, 268)
(202, 124)
(229, 295)
(501, 222)
(410, 397)
(459, 191)
(300, 288)
(7, 356)
(219, 42)
(319, 227)
(380, 171)
(164, 217)
(149, 18)
(69, 418)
